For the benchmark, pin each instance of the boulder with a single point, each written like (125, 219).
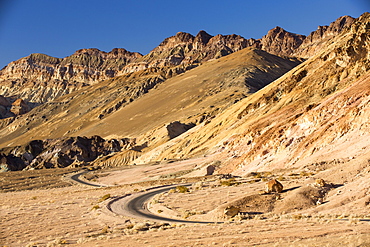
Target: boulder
(20, 107)
(274, 186)
(231, 211)
(210, 170)
(176, 128)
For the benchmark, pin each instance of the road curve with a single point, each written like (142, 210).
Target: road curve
(75, 178)
(135, 206)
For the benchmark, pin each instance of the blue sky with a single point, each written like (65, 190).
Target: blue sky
(59, 28)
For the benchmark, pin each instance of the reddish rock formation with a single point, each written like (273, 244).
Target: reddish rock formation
(20, 107)
(274, 186)
(280, 42)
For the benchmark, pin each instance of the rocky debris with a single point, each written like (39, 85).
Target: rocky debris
(176, 128)
(231, 211)
(11, 108)
(125, 157)
(19, 107)
(274, 186)
(62, 152)
(320, 182)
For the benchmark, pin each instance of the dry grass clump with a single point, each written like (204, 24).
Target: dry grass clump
(135, 228)
(187, 213)
(57, 242)
(182, 189)
(105, 197)
(229, 182)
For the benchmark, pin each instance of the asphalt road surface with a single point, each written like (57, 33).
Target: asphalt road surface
(135, 206)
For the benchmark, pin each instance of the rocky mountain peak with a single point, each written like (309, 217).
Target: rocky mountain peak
(281, 42)
(203, 37)
(40, 78)
(54, 77)
(42, 58)
(123, 52)
(318, 38)
(88, 51)
(180, 37)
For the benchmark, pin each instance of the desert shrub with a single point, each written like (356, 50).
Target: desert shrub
(106, 229)
(297, 216)
(226, 183)
(141, 227)
(188, 213)
(105, 197)
(182, 189)
(171, 191)
(95, 207)
(305, 174)
(229, 182)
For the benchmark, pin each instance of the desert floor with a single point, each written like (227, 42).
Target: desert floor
(43, 208)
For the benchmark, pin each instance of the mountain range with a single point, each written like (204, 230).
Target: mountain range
(283, 101)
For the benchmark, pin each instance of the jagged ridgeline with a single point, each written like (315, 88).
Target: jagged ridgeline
(211, 87)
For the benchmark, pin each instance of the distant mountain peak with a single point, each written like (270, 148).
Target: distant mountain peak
(203, 37)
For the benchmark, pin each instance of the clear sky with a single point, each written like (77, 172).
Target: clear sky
(59, 28)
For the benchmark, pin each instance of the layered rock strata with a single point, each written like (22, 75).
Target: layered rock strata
(40, 78)
(61, 152)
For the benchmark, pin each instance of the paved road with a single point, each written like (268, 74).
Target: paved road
(76, 178)
(135, 206)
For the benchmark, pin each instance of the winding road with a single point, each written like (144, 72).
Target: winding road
(76, 179)
(135, 205)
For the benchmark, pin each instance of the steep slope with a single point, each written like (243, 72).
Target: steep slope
(39, 78)
(283, 43)
(144, 103)
(317, 112)
(199, 93)
(317, 40)
(121, 110)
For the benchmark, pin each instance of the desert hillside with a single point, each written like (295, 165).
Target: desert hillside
(206, 140)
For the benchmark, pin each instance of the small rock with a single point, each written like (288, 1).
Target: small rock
(274, 186)
(231, 211)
